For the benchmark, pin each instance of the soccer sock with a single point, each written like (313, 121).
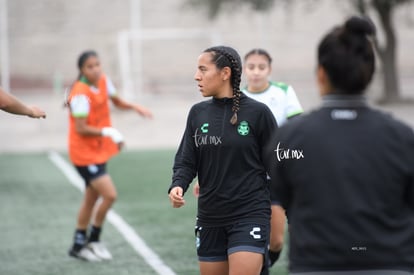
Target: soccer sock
(95, 234)
(273, 257)
(79, 240)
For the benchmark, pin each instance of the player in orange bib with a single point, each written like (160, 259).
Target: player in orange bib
(92, 142)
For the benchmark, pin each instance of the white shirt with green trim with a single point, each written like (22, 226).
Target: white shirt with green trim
(281, 100)
(79, 104)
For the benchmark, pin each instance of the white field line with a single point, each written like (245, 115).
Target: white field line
(130, 235)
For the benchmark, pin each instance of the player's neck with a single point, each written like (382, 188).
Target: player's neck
(258, 89)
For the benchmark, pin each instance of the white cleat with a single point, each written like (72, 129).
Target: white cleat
(85, 254)
(100, 250)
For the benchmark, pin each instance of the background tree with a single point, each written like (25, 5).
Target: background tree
(387, 52)
(384, 9)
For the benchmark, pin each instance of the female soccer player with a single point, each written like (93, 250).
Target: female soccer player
(92, 142)
(11, 104)
(284, 104)
(345, 172)
(223, 144)
(278, 96)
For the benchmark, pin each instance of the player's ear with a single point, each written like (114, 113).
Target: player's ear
(323, 80)
(225, 73)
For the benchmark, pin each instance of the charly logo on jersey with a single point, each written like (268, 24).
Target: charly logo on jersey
(243, 129)
(202, 138)
(204, 128)
(254, 233)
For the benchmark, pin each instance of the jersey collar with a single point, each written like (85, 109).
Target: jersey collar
(84, 80)
(226, 100)
(269, 84)
(93, 88)
(344, 101)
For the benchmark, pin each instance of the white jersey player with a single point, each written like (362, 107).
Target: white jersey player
(284, 104)
(279, 97)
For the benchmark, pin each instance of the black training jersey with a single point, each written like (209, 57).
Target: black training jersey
(345, 174)
(227, 160)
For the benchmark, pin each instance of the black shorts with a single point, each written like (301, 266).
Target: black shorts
(214, 244)
(91, 172)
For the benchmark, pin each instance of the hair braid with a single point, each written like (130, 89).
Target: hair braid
(236, 79)
(234, 62)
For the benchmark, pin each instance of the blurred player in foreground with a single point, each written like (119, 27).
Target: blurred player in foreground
(345, 172)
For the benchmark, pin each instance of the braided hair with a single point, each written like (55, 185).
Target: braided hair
(228, 57)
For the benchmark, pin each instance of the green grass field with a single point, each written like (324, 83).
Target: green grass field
(38, 208)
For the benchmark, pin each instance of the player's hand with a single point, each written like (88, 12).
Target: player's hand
(196, 189)
(115, 135)
(143, 111)
(36, 112)
(176, 197)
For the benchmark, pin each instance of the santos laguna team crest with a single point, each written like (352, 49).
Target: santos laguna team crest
(243, 129)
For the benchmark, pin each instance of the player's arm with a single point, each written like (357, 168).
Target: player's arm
(196, 189)
(185, 166)
(125, 105)
(79, 108)
(82, 127)
(12, 105)
(293, 108)
(270, 140)
(280, 190)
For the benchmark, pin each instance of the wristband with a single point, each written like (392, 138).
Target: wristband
(112, 133)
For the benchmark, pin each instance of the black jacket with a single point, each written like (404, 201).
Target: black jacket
(345, 174)
(227, 159)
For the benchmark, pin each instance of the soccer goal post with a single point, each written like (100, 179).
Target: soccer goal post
(4, 47)
(159, 58)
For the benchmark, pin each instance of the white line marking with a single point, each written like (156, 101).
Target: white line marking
(130, 235)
